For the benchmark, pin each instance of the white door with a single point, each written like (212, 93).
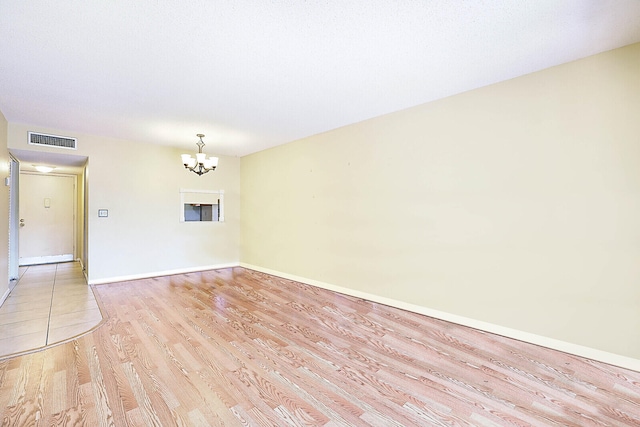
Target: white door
(46, 226)
(14, 217)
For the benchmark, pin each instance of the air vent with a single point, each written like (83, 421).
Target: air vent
(52, 140)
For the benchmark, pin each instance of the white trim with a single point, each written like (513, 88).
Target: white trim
(161, 273)
(567, 347)
(84, 270)
(185, 190)
(49, 259)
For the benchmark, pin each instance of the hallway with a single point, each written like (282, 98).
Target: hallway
(51, 303)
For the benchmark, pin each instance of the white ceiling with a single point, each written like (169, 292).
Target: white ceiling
(251, 74)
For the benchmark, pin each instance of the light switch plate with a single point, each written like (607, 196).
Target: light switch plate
(103, 213)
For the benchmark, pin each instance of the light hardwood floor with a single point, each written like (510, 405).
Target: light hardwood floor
(49, 304)
(238, 347)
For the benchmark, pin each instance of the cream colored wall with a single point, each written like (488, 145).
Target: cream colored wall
(139, 184)
(4, 211)
(515, 204)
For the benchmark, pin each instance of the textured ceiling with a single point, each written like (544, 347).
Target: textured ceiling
(254, 74)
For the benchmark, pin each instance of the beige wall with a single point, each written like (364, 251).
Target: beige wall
(4, 210)
(515, 204)
(139, 184)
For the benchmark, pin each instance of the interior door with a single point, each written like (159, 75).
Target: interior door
(46, 229)
(14, 218)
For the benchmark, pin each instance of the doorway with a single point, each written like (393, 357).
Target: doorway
(47, 205)
(66, 164)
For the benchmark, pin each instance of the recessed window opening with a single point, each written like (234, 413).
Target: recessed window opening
(201, 206)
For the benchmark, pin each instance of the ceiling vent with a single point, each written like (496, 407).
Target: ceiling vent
(52, 140)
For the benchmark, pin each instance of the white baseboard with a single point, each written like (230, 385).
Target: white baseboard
(84, 270)
(50, 259)
(161, 273)
(567, 347)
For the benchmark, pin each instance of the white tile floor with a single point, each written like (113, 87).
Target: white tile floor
(50, 303)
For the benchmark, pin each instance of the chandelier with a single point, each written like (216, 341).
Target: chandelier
(200, 164)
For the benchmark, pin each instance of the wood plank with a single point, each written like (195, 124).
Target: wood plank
(239, 347)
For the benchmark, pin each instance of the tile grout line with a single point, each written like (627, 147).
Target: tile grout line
(36, 344)
(53, 288)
